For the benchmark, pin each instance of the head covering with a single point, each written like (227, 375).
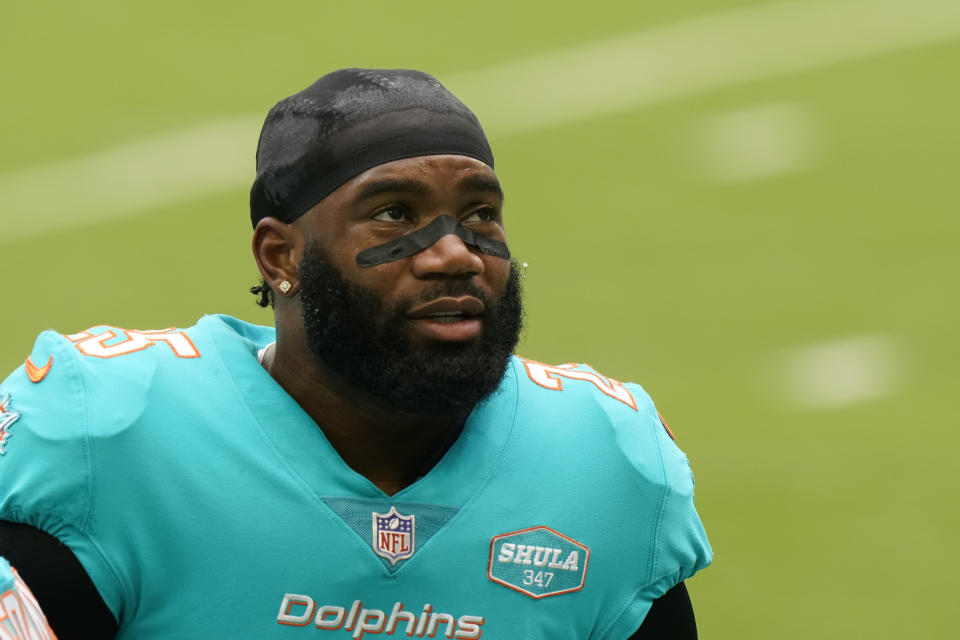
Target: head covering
(349, 121)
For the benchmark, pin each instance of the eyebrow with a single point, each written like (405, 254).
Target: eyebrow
(482, 183)
(470, 183)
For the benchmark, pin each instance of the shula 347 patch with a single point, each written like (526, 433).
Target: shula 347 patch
(538, 562)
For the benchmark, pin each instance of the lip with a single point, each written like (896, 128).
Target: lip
(463, 305)
(449, 319)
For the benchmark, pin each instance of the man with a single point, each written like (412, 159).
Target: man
(379, 463)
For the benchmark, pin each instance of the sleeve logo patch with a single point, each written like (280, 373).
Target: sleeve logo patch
(538, 562)
(35, 373)
(7, 417)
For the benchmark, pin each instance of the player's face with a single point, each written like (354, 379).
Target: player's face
(397, 198)
(429, 333)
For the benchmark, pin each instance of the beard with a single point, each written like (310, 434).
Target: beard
(361, 338)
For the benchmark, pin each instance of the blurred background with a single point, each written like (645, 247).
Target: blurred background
(748, 207)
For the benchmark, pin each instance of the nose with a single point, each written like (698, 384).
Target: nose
(448, 256)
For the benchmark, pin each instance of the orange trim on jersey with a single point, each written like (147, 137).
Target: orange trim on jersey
(552, 374)
(183, 334)
(134, 340)
(666, 426)
(85, 347)
(35, 373)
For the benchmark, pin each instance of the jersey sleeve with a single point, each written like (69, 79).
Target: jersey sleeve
(680, 545)
(46, 456)
(682, 548)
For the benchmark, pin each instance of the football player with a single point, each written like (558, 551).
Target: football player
(377, 463)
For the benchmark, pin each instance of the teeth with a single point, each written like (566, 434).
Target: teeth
(445, 314)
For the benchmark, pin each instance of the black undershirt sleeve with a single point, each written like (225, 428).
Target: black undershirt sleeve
(670, 618)
(63, 589)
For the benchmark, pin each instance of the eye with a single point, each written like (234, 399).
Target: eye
(486, 214)
(392, 213)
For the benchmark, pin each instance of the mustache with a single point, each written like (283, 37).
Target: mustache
(456, 288)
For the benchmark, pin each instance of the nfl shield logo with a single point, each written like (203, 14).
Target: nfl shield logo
(393, 535)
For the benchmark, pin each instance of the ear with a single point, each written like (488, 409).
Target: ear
(278, 249)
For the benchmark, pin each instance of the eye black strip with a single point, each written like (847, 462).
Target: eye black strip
(415, 242)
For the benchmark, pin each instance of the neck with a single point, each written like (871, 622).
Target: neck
(389, 448)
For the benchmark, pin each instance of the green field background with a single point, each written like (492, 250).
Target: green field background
(829, 520)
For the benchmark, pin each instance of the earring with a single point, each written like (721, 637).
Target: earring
(285, 286)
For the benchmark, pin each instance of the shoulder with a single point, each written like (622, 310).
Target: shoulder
(95, 382)
(48, 383)
(96, 398)
(607, 433)
(609, 430)
(106, 349)
(581, 403)
(120, 371)
(44, 453)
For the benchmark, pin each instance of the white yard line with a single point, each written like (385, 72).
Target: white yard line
(128, 179)
(528, 95)
(756, 142)
(838, 373)
(721, 50)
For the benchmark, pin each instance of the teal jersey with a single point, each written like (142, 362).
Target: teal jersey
(205, 503)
